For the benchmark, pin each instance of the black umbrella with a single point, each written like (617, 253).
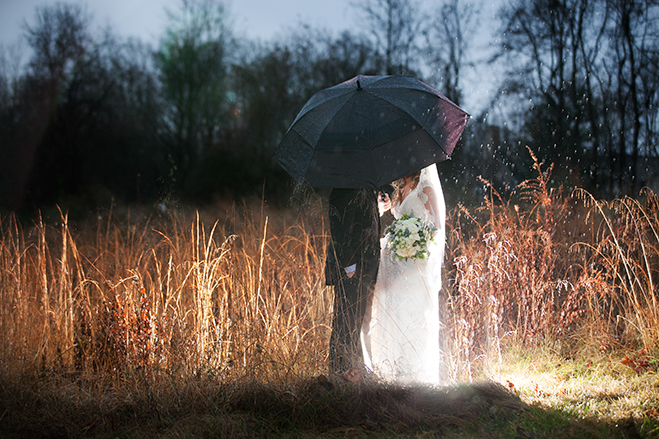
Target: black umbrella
(370, 131)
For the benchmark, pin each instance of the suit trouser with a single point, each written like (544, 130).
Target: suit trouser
(351, 296)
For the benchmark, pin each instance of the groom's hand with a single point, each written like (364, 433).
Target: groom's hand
(350, 271)
(384, 203)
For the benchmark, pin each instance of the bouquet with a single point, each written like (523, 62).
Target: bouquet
(408, 237)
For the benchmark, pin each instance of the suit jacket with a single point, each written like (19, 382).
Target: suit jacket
(355, 233)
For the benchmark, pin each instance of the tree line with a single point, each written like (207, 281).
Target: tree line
(588, 72)
(92, 117)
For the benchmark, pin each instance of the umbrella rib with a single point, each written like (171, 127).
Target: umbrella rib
(428, 113)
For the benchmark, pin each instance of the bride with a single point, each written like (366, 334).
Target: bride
(400, 340)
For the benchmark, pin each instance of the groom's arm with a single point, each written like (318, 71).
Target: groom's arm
(342, 219)
(354, 223)
(351, 238)
(348, 228)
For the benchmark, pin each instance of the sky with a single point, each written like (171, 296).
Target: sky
(264, 19)
(146, 19)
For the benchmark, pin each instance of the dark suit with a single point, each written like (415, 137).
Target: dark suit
(355, 239)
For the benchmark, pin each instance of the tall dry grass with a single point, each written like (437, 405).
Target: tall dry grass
(536, 266)
(161, 298)
(164, 300)
(624, 255)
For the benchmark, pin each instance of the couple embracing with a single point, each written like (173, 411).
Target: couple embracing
(386, 307)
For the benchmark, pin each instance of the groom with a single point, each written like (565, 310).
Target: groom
(352, 265)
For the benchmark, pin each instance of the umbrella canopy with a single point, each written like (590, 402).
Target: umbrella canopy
(369, 131)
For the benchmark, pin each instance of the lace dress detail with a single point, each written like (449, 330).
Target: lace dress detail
(400, 340)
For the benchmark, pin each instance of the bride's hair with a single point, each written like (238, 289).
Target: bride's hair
(399, 184)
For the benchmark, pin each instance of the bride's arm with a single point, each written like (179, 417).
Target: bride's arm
(435, 206)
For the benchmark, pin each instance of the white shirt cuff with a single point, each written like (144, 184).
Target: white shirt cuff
(351, 269)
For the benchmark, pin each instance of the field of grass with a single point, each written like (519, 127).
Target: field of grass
(216, 324)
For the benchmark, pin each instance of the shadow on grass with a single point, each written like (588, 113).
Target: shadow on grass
(312, 408)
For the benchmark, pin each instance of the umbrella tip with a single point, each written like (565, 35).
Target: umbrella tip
(359, 86)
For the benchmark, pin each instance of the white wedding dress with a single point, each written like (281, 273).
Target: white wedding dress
(400, 340)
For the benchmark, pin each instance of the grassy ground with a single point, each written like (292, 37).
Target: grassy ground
(542, 396)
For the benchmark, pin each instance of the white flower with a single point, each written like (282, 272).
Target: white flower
(406, 252)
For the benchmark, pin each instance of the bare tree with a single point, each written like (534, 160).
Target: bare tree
(633, 32)
(345, 57)
(395, 26)
(449, 39)
(11, 60)
(554, 51)
(59, 39)
(587, 43)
